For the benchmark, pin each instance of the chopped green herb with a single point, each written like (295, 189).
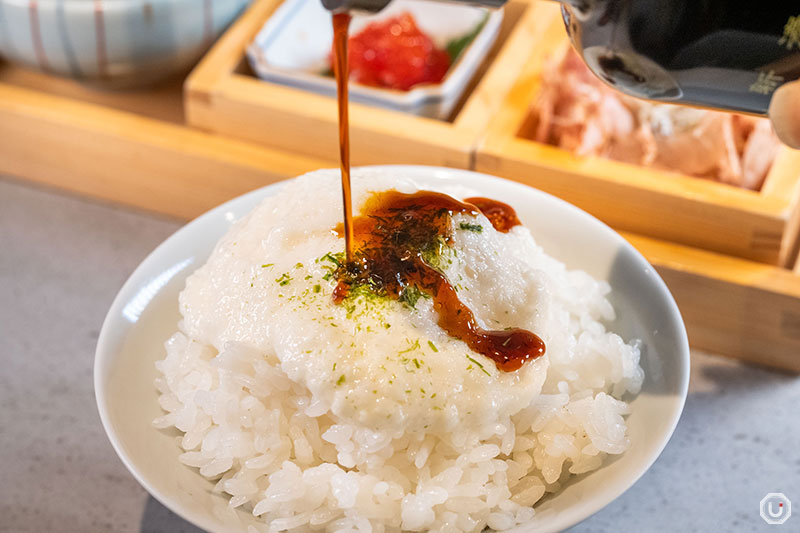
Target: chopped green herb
(411, 346)
(416, 362)
(267, 265)
(336, 259)
(479, 365)
(308, 277)
(317, 287)
(433, 346)
(334, 367)
(387, 326)
(410, 296)
(299, 265)
(477, 228)
(341, 380)
(285, 279)
(433, 253)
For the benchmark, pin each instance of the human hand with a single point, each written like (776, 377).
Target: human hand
(784, 111)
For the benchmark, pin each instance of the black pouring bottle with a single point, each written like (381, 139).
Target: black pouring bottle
(711, 53)
(722, 54)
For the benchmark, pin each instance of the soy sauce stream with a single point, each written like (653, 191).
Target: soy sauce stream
(341, 24)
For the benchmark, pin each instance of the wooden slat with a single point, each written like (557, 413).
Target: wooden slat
(130, 159)
(288, 119)
(163, 102)
(783, 182)
(731, 306)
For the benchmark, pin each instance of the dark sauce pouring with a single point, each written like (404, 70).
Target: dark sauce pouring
(341, 24)
(393, 246)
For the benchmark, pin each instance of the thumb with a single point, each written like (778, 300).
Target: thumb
(784, 111)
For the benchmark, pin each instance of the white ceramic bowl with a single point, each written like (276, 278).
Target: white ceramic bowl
(293, 46)
(114, 43)
(145, 313)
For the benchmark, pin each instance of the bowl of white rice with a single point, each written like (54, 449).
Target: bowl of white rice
(244, 399)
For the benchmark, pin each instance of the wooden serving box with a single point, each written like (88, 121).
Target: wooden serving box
(127, 147)
(223, 96)
(762, 226)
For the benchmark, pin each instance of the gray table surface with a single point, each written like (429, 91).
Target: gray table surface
(62, 260)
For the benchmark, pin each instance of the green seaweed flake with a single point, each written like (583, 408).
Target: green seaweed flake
(478, 364)
(411, 295)
(411, 346)
(335, 259)
(433, 253)
(466, 226)
(285, 279)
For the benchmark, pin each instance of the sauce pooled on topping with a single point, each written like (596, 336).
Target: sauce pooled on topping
(502, 216)
(397, 241)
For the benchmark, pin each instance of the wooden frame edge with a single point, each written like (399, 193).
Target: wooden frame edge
(731, 306)
(129, 159)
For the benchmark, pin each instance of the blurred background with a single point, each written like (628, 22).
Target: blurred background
(120, 120)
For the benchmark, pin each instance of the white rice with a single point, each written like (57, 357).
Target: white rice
(317, 417)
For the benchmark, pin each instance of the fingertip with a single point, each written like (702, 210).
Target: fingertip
(784, 111)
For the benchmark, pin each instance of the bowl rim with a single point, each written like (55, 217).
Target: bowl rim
(103, 352)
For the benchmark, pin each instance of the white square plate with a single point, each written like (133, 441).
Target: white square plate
(293, 47)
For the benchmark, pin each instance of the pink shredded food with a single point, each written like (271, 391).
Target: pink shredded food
(578, 112)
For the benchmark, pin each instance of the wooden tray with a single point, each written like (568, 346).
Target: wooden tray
(223, 96)
(762, 226)
(127, 147)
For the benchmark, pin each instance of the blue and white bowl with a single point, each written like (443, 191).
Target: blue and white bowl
(118, 43)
